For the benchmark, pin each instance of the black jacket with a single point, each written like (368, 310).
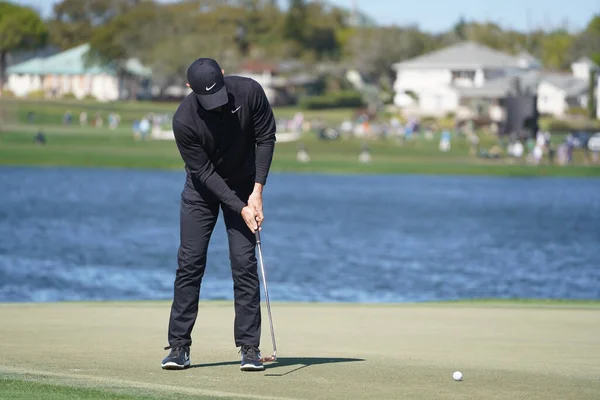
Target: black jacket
(233, 145)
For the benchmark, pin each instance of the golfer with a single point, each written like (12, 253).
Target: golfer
(225, 133)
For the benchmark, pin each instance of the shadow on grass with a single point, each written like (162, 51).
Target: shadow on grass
(302, 362)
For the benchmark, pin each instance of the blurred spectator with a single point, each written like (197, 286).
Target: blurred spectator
(562, 154)
(474, 142)
(445, 145)
(40, 138)
(136, 129)
(98, 122)
(302, 155)
(428, 134)
(515, 149)
(144, 127)
(570, 142)
(113, 120)
(365, 155)
(68, 118)
(551, 153)
(83, 118)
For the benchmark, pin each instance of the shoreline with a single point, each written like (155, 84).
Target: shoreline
(533, 302)
(414, 170)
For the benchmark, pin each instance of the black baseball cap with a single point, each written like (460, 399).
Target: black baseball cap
(206, 79)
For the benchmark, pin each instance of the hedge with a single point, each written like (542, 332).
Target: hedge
(332, 100)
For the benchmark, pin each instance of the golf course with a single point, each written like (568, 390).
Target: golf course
(425, 225)
(505, 350)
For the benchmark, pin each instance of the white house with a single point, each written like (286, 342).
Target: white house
(559, 92)
(441, 81)
(432, 83)
(266, 75)
(278, 81)
(65, 73)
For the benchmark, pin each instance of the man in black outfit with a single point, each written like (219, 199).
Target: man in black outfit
(225, 133)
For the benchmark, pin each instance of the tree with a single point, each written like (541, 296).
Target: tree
(20, 29)
(588, 42)
(373, 51)
(592, 95)
(488, 34)
(555, 49)
(75, 20)
(123, 37)
(296, 22)
(460, 29)
(183, 39)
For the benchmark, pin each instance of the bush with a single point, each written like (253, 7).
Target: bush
(579, 111)
(428, 119)
(90, 97)
(36, 94)
(412, 95)
(563, 125)
(446, 123)
(8, 94)
(68, 96)
(340, 99)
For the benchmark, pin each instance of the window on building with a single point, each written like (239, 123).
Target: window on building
(463, 74)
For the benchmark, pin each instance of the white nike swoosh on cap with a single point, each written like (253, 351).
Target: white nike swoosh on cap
(234, 111)
(208, 88)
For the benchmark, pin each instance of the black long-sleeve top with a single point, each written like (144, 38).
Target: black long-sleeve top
(229, 146)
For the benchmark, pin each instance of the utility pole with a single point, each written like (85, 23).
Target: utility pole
(354, 13)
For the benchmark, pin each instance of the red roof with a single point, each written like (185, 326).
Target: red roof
(257, 66)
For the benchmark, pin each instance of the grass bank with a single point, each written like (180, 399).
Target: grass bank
(51, 112)
(101, 147)
(326, 351)
(89, 147)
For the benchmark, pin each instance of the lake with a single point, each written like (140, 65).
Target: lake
(100, 234)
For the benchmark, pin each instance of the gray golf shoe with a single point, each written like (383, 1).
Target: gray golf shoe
(251, 359)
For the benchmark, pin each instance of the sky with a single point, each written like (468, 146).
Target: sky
(439, 15)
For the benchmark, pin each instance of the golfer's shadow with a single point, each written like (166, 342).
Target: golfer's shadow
(301, 362)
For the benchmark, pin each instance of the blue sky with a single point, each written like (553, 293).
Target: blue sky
(439, 15)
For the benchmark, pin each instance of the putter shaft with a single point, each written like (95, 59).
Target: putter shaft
(264, 279)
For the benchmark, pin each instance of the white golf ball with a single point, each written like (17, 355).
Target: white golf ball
(457, 376)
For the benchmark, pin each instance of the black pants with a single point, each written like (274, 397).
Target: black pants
(198, 216)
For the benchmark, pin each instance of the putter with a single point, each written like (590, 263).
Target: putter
(264, 278)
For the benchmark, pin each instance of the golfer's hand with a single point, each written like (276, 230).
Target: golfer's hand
(255, 201)
(249, 216)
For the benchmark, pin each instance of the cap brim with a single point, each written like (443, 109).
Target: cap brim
(211, 101)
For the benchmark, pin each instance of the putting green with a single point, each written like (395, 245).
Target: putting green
(327, 351)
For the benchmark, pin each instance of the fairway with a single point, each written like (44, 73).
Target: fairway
(327, 351)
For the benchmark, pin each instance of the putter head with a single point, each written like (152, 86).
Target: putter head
(269, 358)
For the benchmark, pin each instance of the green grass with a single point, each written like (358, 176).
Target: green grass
(16, 389)
(75, 146)
(88, 147)
(16, 111)
(329, 351)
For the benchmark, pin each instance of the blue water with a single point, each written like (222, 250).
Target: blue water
(94, 234)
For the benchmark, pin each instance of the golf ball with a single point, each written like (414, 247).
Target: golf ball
(457, 376)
